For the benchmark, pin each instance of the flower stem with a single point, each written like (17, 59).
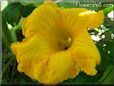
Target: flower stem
(106, 73)
(7, 65)
(14, 65)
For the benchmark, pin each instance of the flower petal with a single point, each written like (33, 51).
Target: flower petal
(43, 20)
(32, 51)
(85, 52)
(57, 69)
(93, 19)
(81, 18)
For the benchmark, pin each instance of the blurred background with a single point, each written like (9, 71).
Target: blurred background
(13, 12)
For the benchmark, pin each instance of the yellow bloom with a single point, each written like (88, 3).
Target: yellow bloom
(57, 45)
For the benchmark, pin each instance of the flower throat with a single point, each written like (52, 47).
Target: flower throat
(65, 43)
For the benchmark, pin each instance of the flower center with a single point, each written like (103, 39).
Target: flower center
(65, 43)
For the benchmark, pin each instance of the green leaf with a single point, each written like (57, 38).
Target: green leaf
(13, 13)
(28, 9)
(106, 73)
(6, 34)
(110, 78)
(108, 10)
(34, 2)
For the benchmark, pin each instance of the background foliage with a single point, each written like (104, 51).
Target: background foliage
(13, 15)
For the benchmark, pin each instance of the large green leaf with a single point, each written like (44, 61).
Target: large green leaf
(6, 34)
(27, 9)
(13, 13)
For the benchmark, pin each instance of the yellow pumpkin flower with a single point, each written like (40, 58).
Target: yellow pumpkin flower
(57, 45)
